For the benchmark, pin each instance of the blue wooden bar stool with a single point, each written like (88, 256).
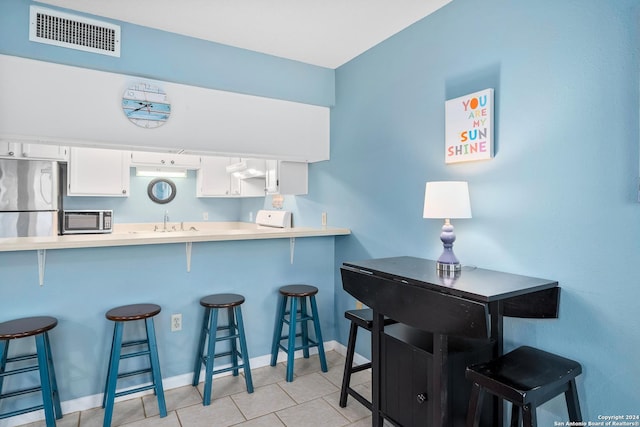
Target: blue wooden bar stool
(526, 377)
(37, 327)
(297, 293)
(146, 347)
(208, 335)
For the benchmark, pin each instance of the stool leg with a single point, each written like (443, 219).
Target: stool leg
(277, 330)
(233, 330)
(529, 416)
(573, 405)
(112, 374)
(52, 375)
(291, 347)
(348, 363)
(245, 353)
(515, 416)
(316, 324)
(304, 329)
(475, 405)
(155, 366)
(4, 351)
(45, 381)
(203, 337)
(211, 351)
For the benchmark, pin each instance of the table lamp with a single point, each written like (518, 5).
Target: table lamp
(446, 200)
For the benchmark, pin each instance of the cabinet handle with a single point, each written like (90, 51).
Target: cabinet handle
(124, 191)
(173, 162)
(11, 153)
(421, 398)
(162, 162)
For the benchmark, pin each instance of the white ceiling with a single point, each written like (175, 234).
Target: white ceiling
(327, 33)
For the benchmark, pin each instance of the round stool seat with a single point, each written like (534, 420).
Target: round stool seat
(221, 300)
(132, 312)
(298, 290)
(26, 327)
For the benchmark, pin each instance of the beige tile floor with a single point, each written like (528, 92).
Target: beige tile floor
(310, 400)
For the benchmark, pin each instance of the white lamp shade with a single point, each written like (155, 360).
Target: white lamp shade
(447, 199)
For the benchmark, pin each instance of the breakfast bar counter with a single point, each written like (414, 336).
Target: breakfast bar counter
(152, 234)
(157, 234)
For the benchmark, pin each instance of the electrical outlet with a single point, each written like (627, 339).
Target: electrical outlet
(176, 322)
(324, 218)
(205, 216)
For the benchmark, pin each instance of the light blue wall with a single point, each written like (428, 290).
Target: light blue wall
(171, 57)
(82, 284)
(559, 200)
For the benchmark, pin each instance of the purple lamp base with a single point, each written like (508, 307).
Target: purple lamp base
(448, 262)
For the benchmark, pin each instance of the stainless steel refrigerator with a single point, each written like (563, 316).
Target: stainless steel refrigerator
(28, 198)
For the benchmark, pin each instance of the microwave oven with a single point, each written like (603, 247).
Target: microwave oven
(86, 221)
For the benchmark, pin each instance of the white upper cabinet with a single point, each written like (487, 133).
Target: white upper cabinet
(22, 150)
(98, 172)
(287, 178)
(146, 158)
(213, 179)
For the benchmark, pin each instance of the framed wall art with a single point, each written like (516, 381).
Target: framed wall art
(469, 127)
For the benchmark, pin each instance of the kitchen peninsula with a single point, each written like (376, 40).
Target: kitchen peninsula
(154, 234)
(88, 275)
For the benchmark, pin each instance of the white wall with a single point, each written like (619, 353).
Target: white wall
(83, 107)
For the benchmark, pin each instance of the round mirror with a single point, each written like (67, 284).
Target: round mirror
(161, 190)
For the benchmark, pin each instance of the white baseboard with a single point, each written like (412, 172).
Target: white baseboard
(94, 401)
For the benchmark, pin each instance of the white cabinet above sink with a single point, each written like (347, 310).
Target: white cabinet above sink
(146, 158)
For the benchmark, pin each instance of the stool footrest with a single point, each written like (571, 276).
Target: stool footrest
(135, 354)
(360, 398)
(21, 411)
(135, 390)
(132, 343)
(19, 371)
(132, 373)
(230, 368)
(359, 368)
(227, 337)
(20, 392)
(302, 347)
(22, 357)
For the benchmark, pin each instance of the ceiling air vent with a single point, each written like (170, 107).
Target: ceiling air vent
(74, 32)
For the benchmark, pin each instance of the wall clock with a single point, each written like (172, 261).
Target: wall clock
(146, 105)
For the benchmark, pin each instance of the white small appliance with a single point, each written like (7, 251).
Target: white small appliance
(273, 219)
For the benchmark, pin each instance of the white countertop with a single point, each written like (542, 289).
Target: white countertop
(144, 234)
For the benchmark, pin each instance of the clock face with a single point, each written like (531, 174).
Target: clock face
(146, 105)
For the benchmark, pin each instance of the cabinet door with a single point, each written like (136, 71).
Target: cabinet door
(407, 398)
(9, 149)
(212, 177)
(284, 177)
(44, 151)
(98, 172)
(164, 159)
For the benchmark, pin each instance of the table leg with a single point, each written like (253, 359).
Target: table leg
(376, 333)
(440, 380)
(496, 309)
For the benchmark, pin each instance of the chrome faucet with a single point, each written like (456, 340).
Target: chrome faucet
(166, 219)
